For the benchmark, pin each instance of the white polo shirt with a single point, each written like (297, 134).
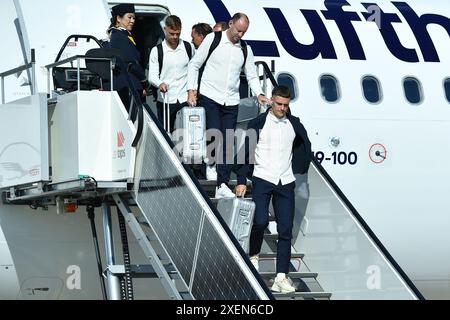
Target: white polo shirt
(273, 154)
(220, 79)
(173, 73)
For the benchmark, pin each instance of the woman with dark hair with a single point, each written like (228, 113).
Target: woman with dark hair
(122, 23)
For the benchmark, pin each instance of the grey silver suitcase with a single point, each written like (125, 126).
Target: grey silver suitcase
(190, 124)
(238, 213)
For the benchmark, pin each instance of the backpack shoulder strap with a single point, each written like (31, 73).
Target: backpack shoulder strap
(214, 44)
(188, 47)
(160, 57)
(244, 51)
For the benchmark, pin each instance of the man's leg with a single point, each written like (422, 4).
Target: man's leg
(159, 112)
(283, 204)
(228, 117)
(212, 112)
(261, 192)
(174, 108)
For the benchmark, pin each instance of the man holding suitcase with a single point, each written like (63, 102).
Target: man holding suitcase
(168, 70)
(282, 150)
(219, 88)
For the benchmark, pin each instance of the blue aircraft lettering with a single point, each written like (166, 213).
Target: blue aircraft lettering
(390, 37)
(419, 27)
(323, 45)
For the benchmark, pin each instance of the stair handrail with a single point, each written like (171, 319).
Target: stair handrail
(352, 210)
(31, 65)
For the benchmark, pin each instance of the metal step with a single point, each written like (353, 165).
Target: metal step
(273, 255)
(147, 271)
(213, 183)
(292, 275)
(215, 200)
(209, 186)
(302, 295)
(271, 236)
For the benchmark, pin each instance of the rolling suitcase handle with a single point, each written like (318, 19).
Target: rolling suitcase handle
(263, 108)
(166, 112)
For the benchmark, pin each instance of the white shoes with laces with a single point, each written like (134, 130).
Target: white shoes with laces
(223, 191)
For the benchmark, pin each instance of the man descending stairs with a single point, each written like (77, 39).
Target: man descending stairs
(302, 283)
(281, 149)
(282, 283)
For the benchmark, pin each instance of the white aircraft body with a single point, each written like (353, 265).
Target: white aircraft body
(372, 87)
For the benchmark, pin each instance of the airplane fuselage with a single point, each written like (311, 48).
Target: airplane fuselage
(387, 152)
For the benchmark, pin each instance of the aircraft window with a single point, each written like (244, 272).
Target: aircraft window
(371, 89)
(413, 90)
(447, 88)
(329, 88)
(288, 80)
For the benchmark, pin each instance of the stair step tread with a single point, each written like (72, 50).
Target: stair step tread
(215, 200)
(292, 275)
(269, 255)
(213, 183)
(271, 236)
(298, 294)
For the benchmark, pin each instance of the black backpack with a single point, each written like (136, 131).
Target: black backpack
(214, 44)
(159, 47)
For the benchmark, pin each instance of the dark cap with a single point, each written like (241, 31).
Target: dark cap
(121, 9)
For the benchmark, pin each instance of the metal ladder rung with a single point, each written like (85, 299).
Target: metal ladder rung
(152, 255)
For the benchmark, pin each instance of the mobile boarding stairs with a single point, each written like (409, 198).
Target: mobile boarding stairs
(79, 149)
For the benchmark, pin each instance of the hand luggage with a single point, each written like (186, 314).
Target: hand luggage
(248, 109)
(190, 124)
(238, 213)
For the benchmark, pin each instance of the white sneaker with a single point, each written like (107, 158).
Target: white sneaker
(255, 261)
(211, 173)
(223, 191)
(282, 284)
